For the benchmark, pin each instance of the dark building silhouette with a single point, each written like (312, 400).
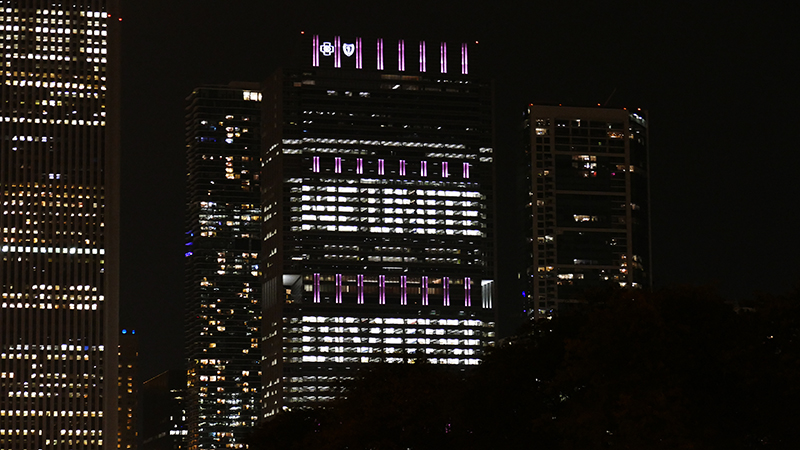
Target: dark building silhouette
(59, 273)
(589, 203)
(223, 312)
(164, 411)
(377, 200)
(128, 416)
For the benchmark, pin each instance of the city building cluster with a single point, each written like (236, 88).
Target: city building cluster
(340, 213)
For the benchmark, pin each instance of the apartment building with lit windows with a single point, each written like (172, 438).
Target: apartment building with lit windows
(223, 312)
(59, 175)
(588, 203)
(377, 205)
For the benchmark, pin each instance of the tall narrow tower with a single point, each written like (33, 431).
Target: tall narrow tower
(377, 199)
(589, 203)
(59, 175)
(223, 313)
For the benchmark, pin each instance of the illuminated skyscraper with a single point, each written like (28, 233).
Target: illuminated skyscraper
(128, 415)
(589, 203)
(59, 175)
(378, 213)
(223, 313)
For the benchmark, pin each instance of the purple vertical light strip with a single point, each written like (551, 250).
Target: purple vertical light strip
(315, 163)
(380, 167)
(402, 167)
(466, 170)
(443, 57)
(422, 62)
(401, 55)
(359, 166)
(382, 289)
(316, 288)
(467, 291)
(446, 289)
(424, 288)
(337, 165)
(445, 170)
(337, 51)
(380, 54)
(423, 168)
(338, 288)
(359, 60)
(360, 294)
(403, 290)
(464, 59)
(315, 50)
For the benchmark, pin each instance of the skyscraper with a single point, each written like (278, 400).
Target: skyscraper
(377, 199)
(59, 175)
(164, 411)
(589, 203)
(128, 416)
(223, 312)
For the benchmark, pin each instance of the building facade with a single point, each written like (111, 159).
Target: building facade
(164, 411)
(589, 203)
(59, 175)
(128, 415)
(377, 204)
(223, 313)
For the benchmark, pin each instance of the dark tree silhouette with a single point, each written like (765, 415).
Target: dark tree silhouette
(632, 370)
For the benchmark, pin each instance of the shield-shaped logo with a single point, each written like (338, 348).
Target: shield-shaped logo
(348, 49)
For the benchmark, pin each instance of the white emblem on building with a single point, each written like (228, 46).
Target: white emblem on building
(348, 49)
(326, 49)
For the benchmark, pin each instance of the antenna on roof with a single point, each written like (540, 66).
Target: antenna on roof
(609, 97)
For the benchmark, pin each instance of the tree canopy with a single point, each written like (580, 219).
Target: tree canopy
(633, 370)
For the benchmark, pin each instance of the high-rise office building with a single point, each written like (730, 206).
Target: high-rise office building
(223, 313)
(377, 199)
(59, 175)
(128, 415)
(164, 411)
(589, 203)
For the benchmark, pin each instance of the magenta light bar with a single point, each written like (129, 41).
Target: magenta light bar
(380, 54)
(359, 59)
(359, 166)
(337, 51)
(425, 291)
(423, 168)
(445, 170)
(401, 55)
(337, 165)
(422, 62)
(360, 295)
(315, 163)
(466, 170)
(338, 288)
(316, 288)
(315, 50)
(382, 289)
(380, 167)
(446, 287)
(467, 291)
(464, 59)
(403, 167)
(443, 57)
(403, 290)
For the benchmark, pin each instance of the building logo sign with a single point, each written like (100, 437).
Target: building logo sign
(326, 48)
(352, 55)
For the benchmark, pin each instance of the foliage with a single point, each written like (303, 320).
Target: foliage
(633, 370)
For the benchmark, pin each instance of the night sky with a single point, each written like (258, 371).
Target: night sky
(724, 152)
